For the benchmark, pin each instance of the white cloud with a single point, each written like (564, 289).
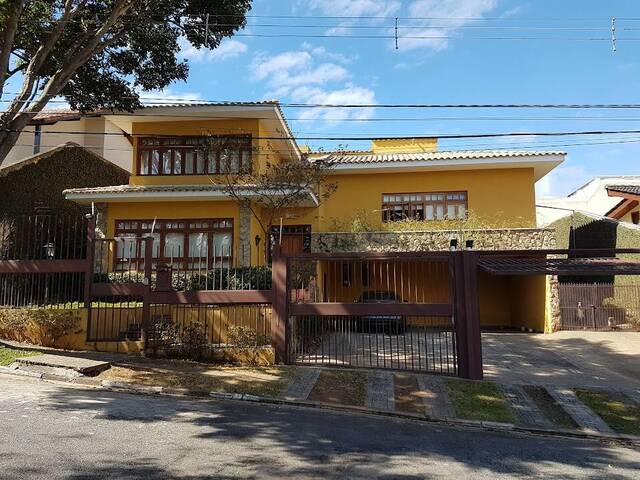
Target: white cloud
(356, 8)
(291, 69)
(448, 14)
(167, 96)
(303, 77)
(229, 48)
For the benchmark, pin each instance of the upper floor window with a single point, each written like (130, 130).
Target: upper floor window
(424, 206)
(194, 155)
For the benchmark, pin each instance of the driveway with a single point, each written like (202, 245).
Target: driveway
(53, 432)
(606, 359)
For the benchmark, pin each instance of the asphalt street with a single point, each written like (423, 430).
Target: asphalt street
(52, 431)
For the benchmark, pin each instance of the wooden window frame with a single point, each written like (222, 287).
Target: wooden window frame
(162, 230)
(421, 203)
(198, 147)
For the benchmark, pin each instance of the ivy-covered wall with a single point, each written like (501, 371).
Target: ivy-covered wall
(37, 187)
(583, 231)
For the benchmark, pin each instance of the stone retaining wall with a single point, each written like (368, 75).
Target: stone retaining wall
(421, 241)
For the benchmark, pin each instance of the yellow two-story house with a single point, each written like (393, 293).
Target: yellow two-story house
(402, 194)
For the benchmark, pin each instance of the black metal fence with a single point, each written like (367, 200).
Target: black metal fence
(416, 343)
(215, 267)
(50, 290)
(599, 306)
(43, 237)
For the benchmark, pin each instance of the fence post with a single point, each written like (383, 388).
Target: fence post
(91, 248)
(146, 307)
(467, 312)
(279, 318)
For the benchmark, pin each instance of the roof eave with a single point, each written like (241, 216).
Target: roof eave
(542, 164)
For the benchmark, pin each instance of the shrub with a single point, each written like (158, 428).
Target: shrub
(245, 337)
(193, 341)
(15, 323)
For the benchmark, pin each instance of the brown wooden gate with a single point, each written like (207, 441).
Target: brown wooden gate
(585, 306)
(402, 311)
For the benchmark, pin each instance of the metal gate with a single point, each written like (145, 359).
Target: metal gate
(372, 311)
(599, 307)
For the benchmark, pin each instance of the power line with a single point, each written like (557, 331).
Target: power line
(445, 136)
(180, 102)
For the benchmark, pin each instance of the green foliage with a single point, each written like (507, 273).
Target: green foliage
(138, 52)
(53, 324)
(40, 184)
(371, 221)
(245, 337)
(193, 341)
(237, 278)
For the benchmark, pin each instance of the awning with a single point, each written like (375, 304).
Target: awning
(559, 266)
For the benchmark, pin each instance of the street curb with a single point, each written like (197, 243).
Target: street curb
(20, 373)
(137, 389)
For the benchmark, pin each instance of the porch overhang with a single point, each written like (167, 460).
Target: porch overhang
(532, 265)
(174, 193)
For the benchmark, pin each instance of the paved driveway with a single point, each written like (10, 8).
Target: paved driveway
(608, 359)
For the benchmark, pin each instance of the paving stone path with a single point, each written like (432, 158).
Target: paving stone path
(580, 413)
(380, 391)
(528, 413)
(434, 395)
(302, 384)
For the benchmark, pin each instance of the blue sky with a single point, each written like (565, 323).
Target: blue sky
(453, 70)
(451, 65)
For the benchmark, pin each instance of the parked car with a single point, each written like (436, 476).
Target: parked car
(392, 324)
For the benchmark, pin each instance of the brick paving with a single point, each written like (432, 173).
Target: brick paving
(435, 398)
(302, 384)
(527, 411)
(380, 391)
(581, 414)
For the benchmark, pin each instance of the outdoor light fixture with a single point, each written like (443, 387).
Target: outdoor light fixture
(468, 244)
(453, 244)
(49, 250)
(257, 240)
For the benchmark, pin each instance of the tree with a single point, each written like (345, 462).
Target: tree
(99, 54)
(269, 191)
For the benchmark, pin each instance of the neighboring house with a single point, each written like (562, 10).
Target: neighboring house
(628, 208)
(34, 185)
(594, 197)
(52, 128)
(176, 193)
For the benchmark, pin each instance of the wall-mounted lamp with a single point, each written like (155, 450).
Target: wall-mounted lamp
(453, 244)
(257, 240)
(468, 244)
(49, 250)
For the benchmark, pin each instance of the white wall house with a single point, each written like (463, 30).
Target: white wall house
(591, 198)
(55, 128)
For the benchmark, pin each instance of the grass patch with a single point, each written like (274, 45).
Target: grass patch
(341, 387)
(479, 401)
(549, 407)
(263, 381)
(8, 355)
(618, 411)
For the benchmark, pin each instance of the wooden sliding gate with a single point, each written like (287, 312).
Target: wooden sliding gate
(401, 311)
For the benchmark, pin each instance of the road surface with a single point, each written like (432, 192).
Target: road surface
(57, 432)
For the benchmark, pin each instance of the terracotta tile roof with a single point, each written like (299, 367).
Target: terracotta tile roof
(370, 157)
(630, 189)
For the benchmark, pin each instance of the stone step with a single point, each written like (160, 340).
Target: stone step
(81, 365)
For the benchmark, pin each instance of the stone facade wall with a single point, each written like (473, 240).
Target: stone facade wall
(244, 231)
(423, 241)
(553, 299)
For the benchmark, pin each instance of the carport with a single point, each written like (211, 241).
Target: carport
(508, 354)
